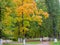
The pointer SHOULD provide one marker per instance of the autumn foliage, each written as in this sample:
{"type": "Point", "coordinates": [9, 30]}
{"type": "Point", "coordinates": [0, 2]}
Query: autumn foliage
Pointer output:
{"type": "Point", "coordinates": [26, 8]}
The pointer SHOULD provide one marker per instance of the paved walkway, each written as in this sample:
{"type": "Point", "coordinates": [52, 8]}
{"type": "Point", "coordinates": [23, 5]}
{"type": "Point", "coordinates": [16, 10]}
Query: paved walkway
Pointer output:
{"type": "Point", "coordinates": [44, 43]}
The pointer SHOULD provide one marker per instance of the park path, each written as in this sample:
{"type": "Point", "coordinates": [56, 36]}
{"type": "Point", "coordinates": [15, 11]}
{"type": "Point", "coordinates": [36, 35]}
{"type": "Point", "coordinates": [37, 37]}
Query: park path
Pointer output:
{"type": "Point", "coordinates": [44, 43]}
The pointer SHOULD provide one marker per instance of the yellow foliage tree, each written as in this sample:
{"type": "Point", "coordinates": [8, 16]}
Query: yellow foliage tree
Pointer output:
{"type": "Point", "coordinates": [25, 11]}
{"type": "Point", "coordinates": [28, 9]}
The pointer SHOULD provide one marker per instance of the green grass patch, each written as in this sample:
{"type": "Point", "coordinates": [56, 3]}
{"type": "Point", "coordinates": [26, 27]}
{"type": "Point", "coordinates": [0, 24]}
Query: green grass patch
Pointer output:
{"type": "Point", "coordinates": [37, 42]}
{"type": "Point", "coordinates": [53, 43]}
{"type": "Point", "coordinates": [12, 44]}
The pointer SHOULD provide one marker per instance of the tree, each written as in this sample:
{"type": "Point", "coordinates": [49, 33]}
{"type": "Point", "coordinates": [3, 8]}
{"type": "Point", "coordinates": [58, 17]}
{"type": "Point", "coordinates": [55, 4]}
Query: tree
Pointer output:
{"type": "Point", "coordinates": [46, 24]}
{"type": "Point", "coordinates": [28, 12]}
{"type": "Point", "coordinates": [16, 15]}
{"type": "Point", "coordinates": [53, 7]}
{"type": "Point", "coordinates": [21, 13]}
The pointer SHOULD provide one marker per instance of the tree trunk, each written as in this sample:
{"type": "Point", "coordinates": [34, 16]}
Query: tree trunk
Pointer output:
{"type": "Point", "coordinates": [1, 42]}
{"type": "Point", "coordinates": [24, 41]}
{"type": "Point", "coordinates": [19, 40]}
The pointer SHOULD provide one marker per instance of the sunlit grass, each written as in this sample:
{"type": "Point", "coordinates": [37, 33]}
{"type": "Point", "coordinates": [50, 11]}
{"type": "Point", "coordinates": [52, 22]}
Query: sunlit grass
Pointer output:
{"type": "Point", "coordinates": [53, 43]}
{"type": "Point", "coordinates": [37, 42]}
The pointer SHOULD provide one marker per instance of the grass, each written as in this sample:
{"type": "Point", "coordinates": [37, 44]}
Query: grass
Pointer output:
{"type": "Point", "coordinates": [37, 42]}
{"type": "Point", "coordinates": [53, 43]}
{"type": "Point", "coordinates": [12, 44]}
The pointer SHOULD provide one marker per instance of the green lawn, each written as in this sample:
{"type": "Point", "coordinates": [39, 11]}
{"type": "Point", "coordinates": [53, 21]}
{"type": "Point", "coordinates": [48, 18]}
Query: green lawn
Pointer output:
{"type": "Point", "coordinates": [38, 42]}
{"type": "Point", "coordinates": [57, 43]}
{"type": "Point", "coordinates": [26, 43]}
{"type": "Point", "coordinates": [12, 44]}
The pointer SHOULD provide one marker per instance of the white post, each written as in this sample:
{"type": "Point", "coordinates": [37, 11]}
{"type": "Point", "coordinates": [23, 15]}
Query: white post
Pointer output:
{"type": "Point", "coordinates": [55, 40]}
{"type": "Point", "coordinates": [24, 41]}
{"type": "Point", "coordinates": [1, 42]}
{"type": "Point", "coordinates": [59, 1]}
